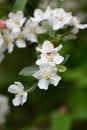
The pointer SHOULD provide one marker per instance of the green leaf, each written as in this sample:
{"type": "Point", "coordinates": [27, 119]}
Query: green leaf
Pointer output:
{"type": "Point", "coordinates": [19, 5]}
{"type": "Point", "coordinates": [28, 71]}
{"type": "Point", "coordinates": [61, 68]}
{"type": "Point", "coordinates": [60, 121]}
{"type": "Point", "coordinates": [66, 58]}
{"type": "Point", "coordinates": [31, 86]}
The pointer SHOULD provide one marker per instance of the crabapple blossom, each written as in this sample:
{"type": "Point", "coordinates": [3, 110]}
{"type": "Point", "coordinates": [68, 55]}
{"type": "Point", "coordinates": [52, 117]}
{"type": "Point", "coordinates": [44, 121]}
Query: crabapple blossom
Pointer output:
{"type": "Point", "coordinates": [49, 54]}
{"type": "Point", "coordinates": [20, 40]}
{"type": "Point", "coordinates": [15, 21]}
{"type": "Point", "coordinates": [47, 75]}
{"type": "Point", "coordinates": [60, 18]}
{"type": "Point", "coordinates": [31, 30]}
{"type": "Point", "coordinates": [48, 47]}
{"type": "Point", "coordinates": [8, 39]}
{"type": "Point", "coordinates": [39, 15]}
{"type": "Point", "coordinates": [52, 58]}
{"type": "Point", "coordinates": [20, 95]}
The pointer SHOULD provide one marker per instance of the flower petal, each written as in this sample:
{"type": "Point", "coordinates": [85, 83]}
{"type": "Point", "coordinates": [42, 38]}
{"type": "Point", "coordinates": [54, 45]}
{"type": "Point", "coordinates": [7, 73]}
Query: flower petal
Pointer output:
{"type": "Point", "coordinates": [55, 80]}
{"type": "Point", "coordinates": [13, 89]}
{"type": "Point", "coordinates": [17, 101]}
{"type": "Point", "coordinates": [43, 84]}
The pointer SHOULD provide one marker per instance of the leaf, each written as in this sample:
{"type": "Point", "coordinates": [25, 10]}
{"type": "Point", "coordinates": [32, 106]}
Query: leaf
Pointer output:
{"type": "Point", "coordinates": [61, 68]}
{"type": "Point", "coordinates": [60, 121]}
{"type": "Point", "coordinates": [66, 58]}
{"type": "Point", "coordinates": [19, 5]}
{"type": "Point", "coordinates": [31, 86]}
{"type": "Point", "coordinates": [28, 71]}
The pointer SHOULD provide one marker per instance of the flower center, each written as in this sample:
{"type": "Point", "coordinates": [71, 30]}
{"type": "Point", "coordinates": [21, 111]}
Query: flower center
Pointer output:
{"type": "Point", "coordinates": [5, 41]}
{"type": "Point", "coordinates": [49, 57]}
{"type": "Point", "coordinates": [16, 21]}
{"type": "Point", "coordinates": [18, 94]}
{"type": "Point", "coordinates": [49, 47]}
{"type": "Point", "coordinates": [33, 29]}
{"type": "Point", "coordinates": [60, 19]}
{"type": "Point", "coordinates": [21, 36]}
{"type": "Point", "coordinates": [46, 75]}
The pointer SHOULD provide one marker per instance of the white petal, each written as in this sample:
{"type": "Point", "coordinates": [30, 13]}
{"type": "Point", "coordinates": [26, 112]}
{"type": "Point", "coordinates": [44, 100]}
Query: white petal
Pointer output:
{"type": "Point", "coordinates": [33, 38]}
{"type": "Point", "coordinates": [55, 80]}
{"type": "Point", "coordinates": [37, 75]}
{"type": "Point", "coordinates": [20, 85]}
{"type": "Point", "coordinates": [1, 41]}
{"type": "Point", "coordinates": [13, 89]}
{"type": "Point", "coordinates": [11, 15]}
{"type": "Point", "coordinates": [20, 14]}
{"type": "Point", "coordinates": [43, 84]}
{"type": "Point", "coordinates": [81, 26]}
{"type": "Point", "coordinates": [20, 43]}
{"type": "Point", "coordinates": [58, 59]}
{"type": "Point", "coordinates": [24, 98]}
{"type": "Point", "coordinates": [10, 47]}
{"type": "Point", "coordinates": [17, 101]}
{"type": "Point", "coordinates": [40, 30]}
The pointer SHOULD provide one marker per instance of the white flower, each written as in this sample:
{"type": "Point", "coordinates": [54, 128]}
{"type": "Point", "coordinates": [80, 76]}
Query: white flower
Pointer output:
{"type": "Point", "coordinates": [49, 54]}
{"type": "Point", "coordinates": [60, 18]}
{"type": "Point", "coordinates": [48, 47]}
{"type": "Point", "coordinates": [52, 58]}
{"type": "Point", "coordinates": [39, 15]}
{"type": "Point", "coordinates": [15, 21]}
{"type": "Point", "coordinates": [4, 108]}
{"type": "Point", "coordinates": [20, 40]}
{"type": "Point", "coordinates": [18, 89]}
{"type": "Point", "coordinates": [47, 75]}
{"type": "Point", "coordinates": [31, 30]}
{"type": "Point", "coordinates": [76, 23]}
{"type": "Point", "coordinates": [8, 39]}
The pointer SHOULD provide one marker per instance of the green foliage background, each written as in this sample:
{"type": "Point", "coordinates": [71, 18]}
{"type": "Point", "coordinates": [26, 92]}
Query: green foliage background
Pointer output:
{"type": "Point", "coordinates": [43, 109]}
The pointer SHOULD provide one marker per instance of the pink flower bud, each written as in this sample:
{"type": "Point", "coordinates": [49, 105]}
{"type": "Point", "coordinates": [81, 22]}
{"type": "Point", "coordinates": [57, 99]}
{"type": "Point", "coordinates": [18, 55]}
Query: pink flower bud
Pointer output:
{"type": "Point", "coordinates": [63, 109]}
{"type": "Point", "coordinates": [2, 23]}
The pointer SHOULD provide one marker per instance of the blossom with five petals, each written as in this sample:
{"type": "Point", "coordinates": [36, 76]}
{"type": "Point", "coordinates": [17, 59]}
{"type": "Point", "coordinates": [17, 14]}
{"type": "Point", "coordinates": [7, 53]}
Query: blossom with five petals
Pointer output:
{"type": "Point", "coordinates": [20, 95]}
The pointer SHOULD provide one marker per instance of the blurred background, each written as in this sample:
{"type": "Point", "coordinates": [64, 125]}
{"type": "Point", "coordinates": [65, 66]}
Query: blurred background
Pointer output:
{"type": "Point", "coordinates": [59, 108]}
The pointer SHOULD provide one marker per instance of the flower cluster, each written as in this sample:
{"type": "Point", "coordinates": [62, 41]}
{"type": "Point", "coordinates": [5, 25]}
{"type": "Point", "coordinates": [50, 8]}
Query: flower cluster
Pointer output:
{"type": "Point", "coordinates": [20, 31]}
{"type": "Point", "coordinates": [47, 65]}
{"type": "Point", "coordinates": [4, 108]}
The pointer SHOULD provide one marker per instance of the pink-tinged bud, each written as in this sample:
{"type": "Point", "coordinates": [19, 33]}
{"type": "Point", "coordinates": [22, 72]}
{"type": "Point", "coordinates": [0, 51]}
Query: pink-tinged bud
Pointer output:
{"type": "Point", "coordinates": [63, 109]}
{"type": "Point", "coordinates": [2, 23]}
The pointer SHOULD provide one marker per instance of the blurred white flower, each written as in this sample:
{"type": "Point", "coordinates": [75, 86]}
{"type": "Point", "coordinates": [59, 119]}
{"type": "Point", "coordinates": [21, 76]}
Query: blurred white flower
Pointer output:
{"type": "Point", "coordinates": [77, 24]}
{"type": "Point", "coordinates": [48, 47]}
{"type": "Point", "coordinates": [60, 18]}
{"type": "Point", "coordinates": [15, 21]}
{"type": "Point", "coordinates": [20, 40]}
{"type": "Point", "coordinates": [39, 15]}
{"type": "Point", "coordinates": [47, 75]}
{"type": "Point", "coordinates": [4, 108]}
{"type": "Point", "coordinates": [49, 54]}
{"type": "Point", "coordinates": [20, 95]}
{"type": "Point", "coordinates": [31, 30]}
{"type": "Point", "coordinates": [52, 58]}
{"type": "Point", "coordinates": [8, 39]}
